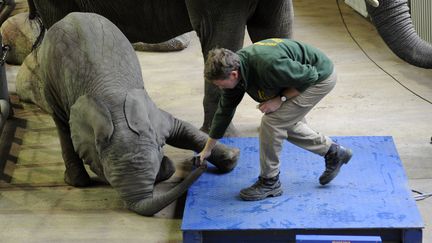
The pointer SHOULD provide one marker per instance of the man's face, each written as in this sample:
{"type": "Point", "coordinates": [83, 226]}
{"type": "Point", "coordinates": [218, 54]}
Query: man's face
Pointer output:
{"type": "Point", "coordinates": [228, 83]}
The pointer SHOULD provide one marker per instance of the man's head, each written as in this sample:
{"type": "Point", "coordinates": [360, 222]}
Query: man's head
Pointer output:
{"type": "Point", "coordinates": [222, 68]}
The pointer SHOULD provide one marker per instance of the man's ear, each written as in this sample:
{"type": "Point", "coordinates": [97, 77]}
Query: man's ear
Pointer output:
{"type": "Point", "coordinates": [235, 74]}
{"type": "Point", "coordinates": [90, 124]}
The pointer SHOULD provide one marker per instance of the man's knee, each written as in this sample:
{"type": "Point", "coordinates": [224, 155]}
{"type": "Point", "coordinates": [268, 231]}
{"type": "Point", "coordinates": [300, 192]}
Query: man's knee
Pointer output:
{"type": "Point", "coordinates": [267, 123]}
{"type": "Point", "coordinates": [272, 128]}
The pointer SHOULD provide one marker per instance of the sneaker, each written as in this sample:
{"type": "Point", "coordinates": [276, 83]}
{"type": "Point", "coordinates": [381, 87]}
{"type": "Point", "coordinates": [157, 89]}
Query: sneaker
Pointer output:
{"type": "Point", "coordinates": [261, 189]}
{"type": "Point", "coordinates": [334, 159]}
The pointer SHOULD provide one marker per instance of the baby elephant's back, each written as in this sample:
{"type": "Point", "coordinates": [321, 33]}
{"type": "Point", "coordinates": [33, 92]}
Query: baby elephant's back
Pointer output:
{"type": "Point", "coordinates": [86, 46]}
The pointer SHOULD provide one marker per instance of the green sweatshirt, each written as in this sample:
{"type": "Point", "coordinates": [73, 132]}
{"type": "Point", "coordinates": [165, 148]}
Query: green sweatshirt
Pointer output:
{"type": "Point", "coordinates": [267, 68]}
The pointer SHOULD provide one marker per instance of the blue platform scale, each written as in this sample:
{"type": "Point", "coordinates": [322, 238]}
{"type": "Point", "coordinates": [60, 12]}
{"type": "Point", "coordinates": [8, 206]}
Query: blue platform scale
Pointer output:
{"type": "Point", "coordinates": [369, 197]}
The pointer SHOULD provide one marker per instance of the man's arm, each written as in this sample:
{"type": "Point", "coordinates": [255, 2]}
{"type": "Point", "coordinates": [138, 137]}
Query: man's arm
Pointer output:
{"type": "Point", "coordinates": [223, 116]}
{"type": "Point", "coordinates": [228, 102]}
{"type": "Point", "coordinates": [211, 142]}
{"type": "Point", "coordinates": [274, 103]}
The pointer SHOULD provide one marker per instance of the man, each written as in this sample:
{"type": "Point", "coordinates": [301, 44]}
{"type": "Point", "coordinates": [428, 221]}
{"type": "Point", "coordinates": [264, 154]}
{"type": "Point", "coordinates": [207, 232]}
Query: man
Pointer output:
{"type": "Point", "coordinates": [288, 78]}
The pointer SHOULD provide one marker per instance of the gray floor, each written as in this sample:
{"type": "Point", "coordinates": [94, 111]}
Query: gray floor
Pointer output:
{"type": "Point", "coordinates": [36, 205]}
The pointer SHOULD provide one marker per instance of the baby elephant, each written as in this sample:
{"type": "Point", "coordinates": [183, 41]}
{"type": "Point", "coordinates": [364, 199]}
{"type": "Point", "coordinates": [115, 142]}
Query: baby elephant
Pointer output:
{"type": "Point", "coordinates": [90, 81]}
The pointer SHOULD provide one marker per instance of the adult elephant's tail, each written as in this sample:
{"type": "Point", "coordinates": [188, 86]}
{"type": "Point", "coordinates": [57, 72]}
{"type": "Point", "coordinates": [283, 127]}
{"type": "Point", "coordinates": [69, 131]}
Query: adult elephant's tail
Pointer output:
{"type": "Point", "coordinates": [393, 22]}
{"type": "Point", "coordinates": [33, 15]}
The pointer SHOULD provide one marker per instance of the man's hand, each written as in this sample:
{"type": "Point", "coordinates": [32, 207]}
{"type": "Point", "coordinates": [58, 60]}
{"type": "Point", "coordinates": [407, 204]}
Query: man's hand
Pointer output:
{"type": "Point", "coordinates": [274, 104]}
{"type": "Point", "coordinates": [270, 105]}
{"type": "Point", "coordinates": [197, 162]}
{"type": "Point", "coordinates": [206, 152]}
{"type": "Point", "coordinates": [202, 156]}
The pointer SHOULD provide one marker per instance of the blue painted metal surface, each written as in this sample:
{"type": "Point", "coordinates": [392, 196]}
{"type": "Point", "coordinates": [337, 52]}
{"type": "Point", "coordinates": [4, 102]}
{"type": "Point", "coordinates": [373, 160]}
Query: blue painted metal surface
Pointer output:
{"type": "Point", "coordinates": [337, 239]}
{"type": "Point", "coordinates": [370, 194]}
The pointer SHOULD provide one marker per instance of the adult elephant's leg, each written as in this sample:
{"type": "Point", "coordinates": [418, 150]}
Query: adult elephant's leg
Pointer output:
{"type": "Point", "coordinates": [272, 19]}
{"type": "Point", "coordinates": [75, 173]}
{"type": "Point", "coordinates": [185, 136]}
{"type": "Point", "coordinates": [220, 24]}
{"type": "Point", "coordinates": [32, 9]}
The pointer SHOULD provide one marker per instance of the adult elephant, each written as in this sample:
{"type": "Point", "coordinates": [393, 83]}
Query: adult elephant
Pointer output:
{"type": "Point", "coordinates": [218, 23]}
{"type": "Point", "coordinates": [89, 79]}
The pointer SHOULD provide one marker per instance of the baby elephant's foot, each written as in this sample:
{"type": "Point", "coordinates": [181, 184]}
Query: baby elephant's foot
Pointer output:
{"type": "Point", "coordinates": [224, 158]}
{"type": "Point", "coordinates": [76, 175]}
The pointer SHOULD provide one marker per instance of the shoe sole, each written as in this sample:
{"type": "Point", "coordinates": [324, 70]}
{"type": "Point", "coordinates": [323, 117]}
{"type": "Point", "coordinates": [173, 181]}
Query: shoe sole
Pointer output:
{"type": "Point", "coordinates": [336, 172]}
{"type": "Point", "coordinates": [266, 195]}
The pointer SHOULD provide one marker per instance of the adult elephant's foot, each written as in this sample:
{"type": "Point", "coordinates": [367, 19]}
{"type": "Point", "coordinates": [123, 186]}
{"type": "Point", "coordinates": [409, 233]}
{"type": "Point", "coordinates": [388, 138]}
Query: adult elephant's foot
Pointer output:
{"type": "Point", "coordinates": [76, 175]}
{"type": "Point", "coordinates": [230, 132]}
{"type": "Point", "coordinates": [224, 158]}
{"type": "Point", "coordinates": [205, 129]}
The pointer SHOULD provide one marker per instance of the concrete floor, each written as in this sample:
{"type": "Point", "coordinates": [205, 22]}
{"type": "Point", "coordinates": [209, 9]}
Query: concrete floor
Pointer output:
{"type": "Point", "coordinates": [37, 206]}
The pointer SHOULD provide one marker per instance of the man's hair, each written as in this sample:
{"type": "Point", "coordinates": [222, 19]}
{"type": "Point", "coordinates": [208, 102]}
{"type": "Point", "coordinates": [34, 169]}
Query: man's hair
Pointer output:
{"type": "Point", "coordinates": [219, 64]}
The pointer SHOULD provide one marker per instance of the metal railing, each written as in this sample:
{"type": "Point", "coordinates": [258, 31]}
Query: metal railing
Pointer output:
{"type": "Point", "coordinates": [6, 7]}
{"type": "Point", "coordinates": [421, 14]}
{"type": "Point", "coordinates": [4, 93]}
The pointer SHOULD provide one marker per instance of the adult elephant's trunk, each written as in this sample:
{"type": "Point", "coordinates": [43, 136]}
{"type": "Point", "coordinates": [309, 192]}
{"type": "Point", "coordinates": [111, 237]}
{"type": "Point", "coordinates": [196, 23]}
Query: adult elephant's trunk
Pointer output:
{"type": "Point", "coordinates": [150, 206]}
{"type": "Point", "coordinates": [394, 24]}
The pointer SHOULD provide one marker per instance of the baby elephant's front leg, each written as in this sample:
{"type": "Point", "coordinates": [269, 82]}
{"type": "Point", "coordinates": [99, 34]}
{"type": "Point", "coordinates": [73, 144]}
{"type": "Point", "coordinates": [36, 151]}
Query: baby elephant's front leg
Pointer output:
{"type": "Point", "coordinates": [186, 136]}
{"type": "Point", "coordinates": [75, 173]}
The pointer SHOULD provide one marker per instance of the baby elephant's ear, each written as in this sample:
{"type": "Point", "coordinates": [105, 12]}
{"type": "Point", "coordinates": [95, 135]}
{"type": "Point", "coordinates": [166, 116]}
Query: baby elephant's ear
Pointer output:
{"type": "Point", "coordinates": [137, 116]}
{"type": "Point", "coordinates": [90, 123]}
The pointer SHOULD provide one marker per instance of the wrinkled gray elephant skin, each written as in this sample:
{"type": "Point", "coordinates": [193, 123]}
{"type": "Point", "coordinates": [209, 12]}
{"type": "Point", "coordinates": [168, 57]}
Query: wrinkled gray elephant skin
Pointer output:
{"type": "Point", "coordinates": [394, 24]}
{"type": "Point", "coordinates": [20, 33]}
{"type": "Point", "coordinates": [92, 84]}
{"type": "Point", "coordinates": [218, 23]}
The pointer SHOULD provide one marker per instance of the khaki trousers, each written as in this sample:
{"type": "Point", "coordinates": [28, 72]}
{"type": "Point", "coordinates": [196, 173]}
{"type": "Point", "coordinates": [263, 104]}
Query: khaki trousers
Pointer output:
{"type": "Point", "coordinates": [288, 122]}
